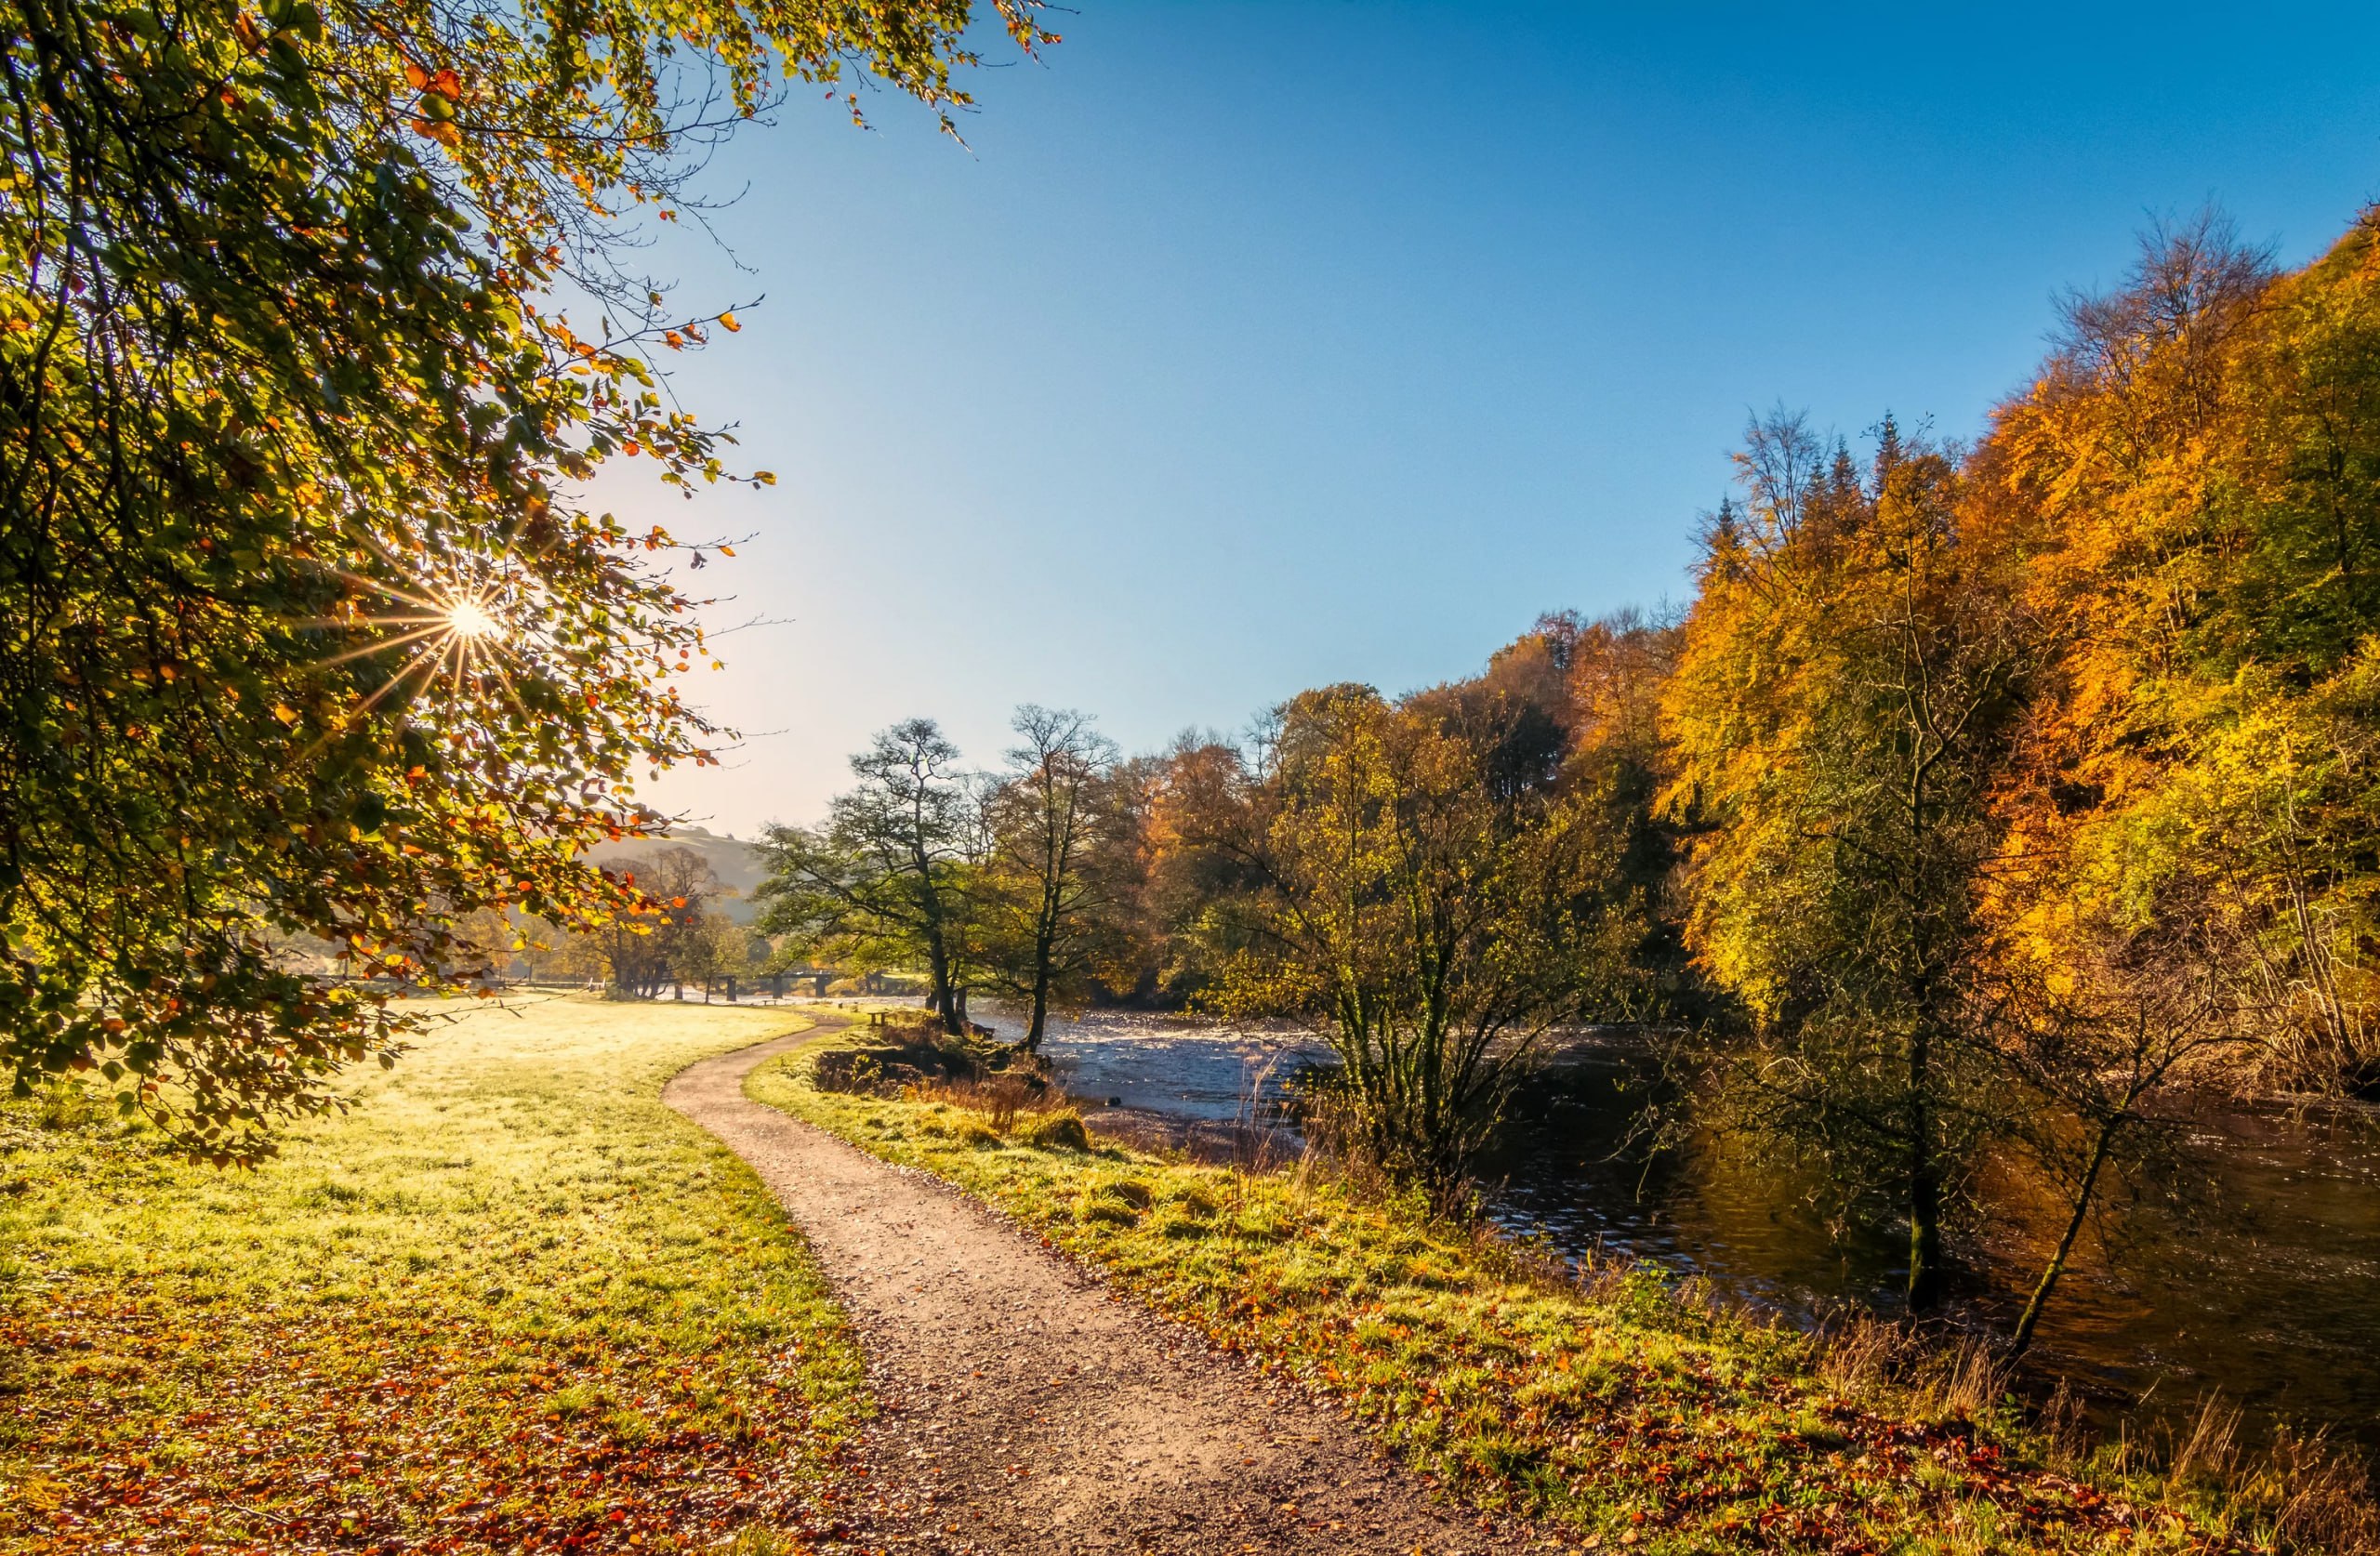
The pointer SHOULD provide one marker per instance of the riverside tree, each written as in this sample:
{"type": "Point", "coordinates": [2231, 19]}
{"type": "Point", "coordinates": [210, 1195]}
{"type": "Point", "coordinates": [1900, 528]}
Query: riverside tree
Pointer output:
{"type": "Point", "coordinates": [2197, 475]}
{"type": "Point", "coordinates": [312, 315]}
{"type": "Point", "coordinates": [1410, 881]}
{"type": "Point", "coordinates": [1047, 880]}
{"type": "Point", "coordinates": [2024, 789]}
{"type": "Point", "coordinates": [1848, 675]}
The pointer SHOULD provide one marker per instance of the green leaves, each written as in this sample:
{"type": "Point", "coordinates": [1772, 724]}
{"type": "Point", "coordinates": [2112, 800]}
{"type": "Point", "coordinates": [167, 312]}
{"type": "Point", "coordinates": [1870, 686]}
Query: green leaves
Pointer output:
{"type": "Point", "coordinates": [284, 382]}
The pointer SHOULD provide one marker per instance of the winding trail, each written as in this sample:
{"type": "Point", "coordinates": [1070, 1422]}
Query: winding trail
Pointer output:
{"type": "Point", "coordinates": [1025, 1406]}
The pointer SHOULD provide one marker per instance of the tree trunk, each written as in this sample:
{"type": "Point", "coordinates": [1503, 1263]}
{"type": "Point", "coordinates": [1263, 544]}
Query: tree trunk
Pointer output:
{"type": "Point", "coordinates": [1042, 951]}
{"type": "Point", "coordinates": [942, 997]}
{"type": "Point", "coordinates": [1925, 1239]}
{"type": "Point", "coordinates": [1040, 1015]}
{"type": "Point", "coordinates": [1925, 1180]}
{"type": "Point", "coordinates": [2023, 1338]}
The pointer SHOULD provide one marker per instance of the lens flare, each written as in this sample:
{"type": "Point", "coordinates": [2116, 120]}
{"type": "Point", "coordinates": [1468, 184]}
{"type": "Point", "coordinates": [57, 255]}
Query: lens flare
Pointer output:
{"type": "Point", "coordinates": [470, 619]}
{"type": "Point", "coordinates": [444, 632]}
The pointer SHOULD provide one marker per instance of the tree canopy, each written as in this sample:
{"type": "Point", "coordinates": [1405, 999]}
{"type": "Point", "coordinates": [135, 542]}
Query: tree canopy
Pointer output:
{"type": "Point", "coordinates": [1414, 882]}
{"type": "Point", "coordinates": [312, 317]}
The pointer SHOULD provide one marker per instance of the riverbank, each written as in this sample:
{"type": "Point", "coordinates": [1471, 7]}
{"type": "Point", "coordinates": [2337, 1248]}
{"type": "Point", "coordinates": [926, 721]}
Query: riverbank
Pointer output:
{"type": "Point", "coordinates": [2240, 1270]}
{"type": "Point", "coordinates": [508, 1302]}
{"type": "Point", "coordinates": [1620, 1405]}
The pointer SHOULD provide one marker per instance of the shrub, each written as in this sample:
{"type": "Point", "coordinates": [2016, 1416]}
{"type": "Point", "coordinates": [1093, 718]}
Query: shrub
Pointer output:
{"type": "Point", "coordinates": [848, 1071]}
{"type": "Point", "coordinates": [1119, 1204]}
{"type": "Point", "coordinates": [1058, 1131]}
{"type": "Point", "coordinates": [65, 1105]}
{"type": "Point", "coordinates": [1193, 1200]}
{"type": "Point", "coordinates": [903, 1060]}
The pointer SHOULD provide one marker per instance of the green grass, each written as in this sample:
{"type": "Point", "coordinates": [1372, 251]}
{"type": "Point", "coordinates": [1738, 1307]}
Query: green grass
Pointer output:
{"type": "Point", "coordinates": [508, 1301]}
{"type": "Point", "coordinates": [1619, 1407]}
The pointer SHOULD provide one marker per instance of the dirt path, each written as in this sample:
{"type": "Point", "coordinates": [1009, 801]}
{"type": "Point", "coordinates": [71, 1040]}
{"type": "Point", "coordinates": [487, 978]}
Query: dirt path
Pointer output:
{"type": "Point", "coordinates": [1025, 1407]}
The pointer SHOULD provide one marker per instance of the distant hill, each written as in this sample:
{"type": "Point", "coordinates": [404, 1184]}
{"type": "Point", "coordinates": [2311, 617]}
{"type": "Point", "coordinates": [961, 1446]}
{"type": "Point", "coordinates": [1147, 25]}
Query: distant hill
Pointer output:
{"type": "Point", "coordinates": [733, 861]}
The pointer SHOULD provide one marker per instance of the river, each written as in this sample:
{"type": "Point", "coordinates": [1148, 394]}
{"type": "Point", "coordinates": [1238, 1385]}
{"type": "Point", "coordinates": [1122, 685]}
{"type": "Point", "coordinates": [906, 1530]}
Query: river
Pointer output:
{"type": "Point", "coordinates": [2264, 1287]}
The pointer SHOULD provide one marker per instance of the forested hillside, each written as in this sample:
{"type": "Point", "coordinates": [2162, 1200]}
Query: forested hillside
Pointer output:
{"type": "Point", "coordinates": [1984, 802]}
{"type": "Point", "coordinates": [2073, 719]}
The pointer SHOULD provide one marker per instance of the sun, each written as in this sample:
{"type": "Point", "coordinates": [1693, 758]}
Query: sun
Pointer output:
{"type": "Point", "coordinates": [470, 619]}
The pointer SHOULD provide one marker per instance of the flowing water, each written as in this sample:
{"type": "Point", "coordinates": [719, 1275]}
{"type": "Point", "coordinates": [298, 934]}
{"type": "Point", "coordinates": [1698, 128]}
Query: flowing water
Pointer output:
{"type": "Point", "coordinates": [2263, 1286]}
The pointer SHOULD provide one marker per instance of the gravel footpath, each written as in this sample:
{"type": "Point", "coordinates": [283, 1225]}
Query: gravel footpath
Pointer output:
{"type": "Point", "coordinates": [1025, 1407]}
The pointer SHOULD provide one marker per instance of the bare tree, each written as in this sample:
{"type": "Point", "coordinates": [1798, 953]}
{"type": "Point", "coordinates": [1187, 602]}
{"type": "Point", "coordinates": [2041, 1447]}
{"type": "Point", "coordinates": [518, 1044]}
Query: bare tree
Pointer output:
{"type": "Point", "coordinates": [2127, 1021]}
{"type": "Point", "coordinates": [1043, 819]}
{"type": "Point", "coordinates": [2157, 344]}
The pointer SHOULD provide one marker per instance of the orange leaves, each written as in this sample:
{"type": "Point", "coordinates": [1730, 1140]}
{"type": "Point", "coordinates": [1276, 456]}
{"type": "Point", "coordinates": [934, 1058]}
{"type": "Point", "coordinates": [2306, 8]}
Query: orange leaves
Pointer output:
{"type": "Point", "coordinates": [445, 84]}
{"type": "Point", "coordinates": [390, 1419]}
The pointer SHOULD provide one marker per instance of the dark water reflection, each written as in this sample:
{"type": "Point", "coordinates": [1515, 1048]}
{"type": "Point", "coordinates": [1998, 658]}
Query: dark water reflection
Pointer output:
{"type": "Point", "coordinates": [2263, 1286]}
{"type": "Point", "coordinates": [2266, 1289]}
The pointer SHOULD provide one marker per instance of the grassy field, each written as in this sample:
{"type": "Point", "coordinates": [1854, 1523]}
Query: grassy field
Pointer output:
{"type": "Point", "coordinates": [509, 1302]}
{"type": "Point", "coordinates": [1617, 1406]}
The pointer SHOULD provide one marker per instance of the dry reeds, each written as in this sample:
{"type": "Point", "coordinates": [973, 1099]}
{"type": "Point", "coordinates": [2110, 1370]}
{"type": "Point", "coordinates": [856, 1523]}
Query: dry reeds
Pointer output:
{"type": "Point", "coordinates": [2306, 1493]}
{"type": "Point", "coordinates": [998, 1100]}
{"type": "Point", "coordinates": [2322, 1497]}
{"type": "Point", "coordinates": [2299, 1490]}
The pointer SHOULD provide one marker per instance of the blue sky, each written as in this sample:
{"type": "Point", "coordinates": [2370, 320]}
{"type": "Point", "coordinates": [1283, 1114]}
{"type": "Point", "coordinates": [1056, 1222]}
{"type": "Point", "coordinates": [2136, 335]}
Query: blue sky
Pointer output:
{"type": "Point", "coordinates": [1252, 346]}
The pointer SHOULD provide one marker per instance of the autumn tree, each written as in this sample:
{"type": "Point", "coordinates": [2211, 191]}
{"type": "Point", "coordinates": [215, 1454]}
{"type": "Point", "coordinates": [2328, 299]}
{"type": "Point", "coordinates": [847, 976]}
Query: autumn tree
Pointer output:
{"type": "Point", "coordinates": [1848, 676]}
{"type": "Point", "coordinates": [1409, 881]}
{"type": "Point", "coordinates": [887, 878]}
{"type": "Point", "coordinates": [1192, 865]}
{"type": "Point", "coordinates": [2187, 900]}
{"type": "Point", "coordinates": [1601, 681]}
{"type": "Point", "coordinates": [2198, 471]}
{"type": "Point", "coordinates": [1046, 877]}
{"type": "Point", "coordinates": [314, 315]}
{"type": "Point", "coordinates": [2026, 789]}
{"type": "Point", "coordinates": [650, 945]}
